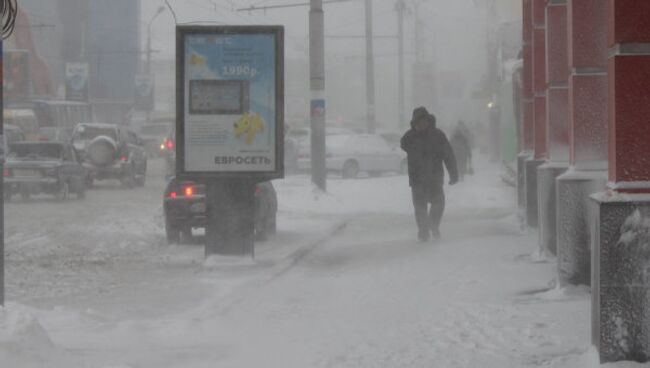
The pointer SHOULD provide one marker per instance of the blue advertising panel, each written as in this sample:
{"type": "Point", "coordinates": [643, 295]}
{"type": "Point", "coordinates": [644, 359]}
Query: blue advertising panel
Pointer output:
{"type": "Point", "coordinates": [230, 106]}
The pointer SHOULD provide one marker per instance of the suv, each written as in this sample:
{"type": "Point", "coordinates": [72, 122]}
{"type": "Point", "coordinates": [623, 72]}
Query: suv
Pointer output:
{"type": "Point", "coordinates": [110, 151]}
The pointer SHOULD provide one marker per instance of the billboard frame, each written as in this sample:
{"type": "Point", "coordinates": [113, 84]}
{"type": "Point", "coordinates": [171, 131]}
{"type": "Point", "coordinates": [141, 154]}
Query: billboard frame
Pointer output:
{"type": "Point", "coordinates": [182, 32]}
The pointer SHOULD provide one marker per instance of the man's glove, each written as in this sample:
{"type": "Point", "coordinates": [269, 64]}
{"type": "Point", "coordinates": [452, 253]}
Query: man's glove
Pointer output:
{"type": "Point", "coordinates": [453, 181]}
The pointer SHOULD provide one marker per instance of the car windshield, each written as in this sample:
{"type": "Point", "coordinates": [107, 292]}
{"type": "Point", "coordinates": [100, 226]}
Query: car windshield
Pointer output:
{"type": "Point", "coordinates": [337, 142]}
{"type": "Point", "coordinates": [90, 132]}
{"type": "Point", "coordinates": [36, 150]}
{"type": "Point", "coordinates": [157, 130]}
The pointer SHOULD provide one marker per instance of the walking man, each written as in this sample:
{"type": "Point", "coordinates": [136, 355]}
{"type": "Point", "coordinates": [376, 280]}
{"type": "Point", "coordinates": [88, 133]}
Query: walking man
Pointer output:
{"type": "Point", "coordinates": [427, 148]}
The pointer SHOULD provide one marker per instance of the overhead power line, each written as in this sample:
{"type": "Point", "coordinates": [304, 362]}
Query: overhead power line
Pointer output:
{"type": "Point", "coordinates": [294, 5]}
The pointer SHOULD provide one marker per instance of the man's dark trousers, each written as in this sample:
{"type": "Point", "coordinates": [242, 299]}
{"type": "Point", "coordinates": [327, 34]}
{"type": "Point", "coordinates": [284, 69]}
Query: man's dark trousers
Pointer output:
{"type": "Point", "coordinates": [428, 219]}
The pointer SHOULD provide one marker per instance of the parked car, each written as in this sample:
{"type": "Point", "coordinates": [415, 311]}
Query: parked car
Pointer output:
{"type": "Point", "coordinates": [43, 167]}
{"type": "Point", "coordinates": [153, 137]}
{"type": "Point", "coordinates": [352, 154]}
{"type": "Point", "coordinates": [110, 151]}
{"type": "Point", "coordinates": [185, 209]}
{"type": "Point", "coordinates": [12, 134]}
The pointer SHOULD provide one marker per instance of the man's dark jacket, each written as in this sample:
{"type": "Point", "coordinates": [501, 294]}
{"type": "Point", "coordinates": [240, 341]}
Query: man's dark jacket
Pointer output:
{"type": "Point", "coordinates": [426, 152]}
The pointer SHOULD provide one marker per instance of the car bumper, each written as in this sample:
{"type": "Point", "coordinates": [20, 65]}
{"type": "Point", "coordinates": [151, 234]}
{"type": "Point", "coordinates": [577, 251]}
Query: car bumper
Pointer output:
{"type": "Point", "coordinates": [31, 185]}
{"type": "Point", "coordinates": [185, 212]}
{"type": "Point", "coordinates": [35, 181]}
{"type": "Point", "coordinates": [114, 171]}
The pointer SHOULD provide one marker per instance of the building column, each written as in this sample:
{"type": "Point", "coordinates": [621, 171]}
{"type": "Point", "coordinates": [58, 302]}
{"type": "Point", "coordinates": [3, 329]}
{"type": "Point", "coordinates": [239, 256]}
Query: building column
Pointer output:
{"type": "Point", "coordinates": [621, 242]}
{"type": "Point", "coordinates": [557, 122]}
{"type": "Point", "coordinates": [540, 149]}
{"type": "Point", "coordinates": [527, 109]}
{"type": "Point", "coordinates": [587, 47]}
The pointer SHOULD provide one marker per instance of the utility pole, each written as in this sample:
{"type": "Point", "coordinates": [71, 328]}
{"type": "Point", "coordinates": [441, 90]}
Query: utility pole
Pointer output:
{"type": "Point", "coordinates": [8, 22]}
{"type": "Point", "coordinates": [400, 6]}
{"type": "Point", "coordinates": [419, 46]}
{"type": "Point", "coordinates": [370, 70]}
{"type": "Point", "coordinates": [317, 86]}
{"type": "Point", "coordinates": [160, 10]}
{"type": "Point", "coordinates": [2, 209]}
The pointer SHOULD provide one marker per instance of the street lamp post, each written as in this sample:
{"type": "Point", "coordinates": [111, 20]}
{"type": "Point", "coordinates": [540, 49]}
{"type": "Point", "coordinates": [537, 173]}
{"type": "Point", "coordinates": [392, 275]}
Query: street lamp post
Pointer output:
{"type": "Point", "coordinates": [160, 10]}
{"type": "Point", "coordinates": [317, 86]}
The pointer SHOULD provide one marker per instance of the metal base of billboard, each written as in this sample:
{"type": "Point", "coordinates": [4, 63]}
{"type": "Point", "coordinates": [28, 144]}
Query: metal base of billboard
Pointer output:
{"type": "Point", "coordinates": [230, 227]}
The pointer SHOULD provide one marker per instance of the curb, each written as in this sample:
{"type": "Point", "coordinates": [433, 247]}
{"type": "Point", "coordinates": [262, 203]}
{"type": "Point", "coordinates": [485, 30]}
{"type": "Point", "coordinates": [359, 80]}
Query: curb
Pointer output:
{"type": "Point", "coordinates": [299, 254]}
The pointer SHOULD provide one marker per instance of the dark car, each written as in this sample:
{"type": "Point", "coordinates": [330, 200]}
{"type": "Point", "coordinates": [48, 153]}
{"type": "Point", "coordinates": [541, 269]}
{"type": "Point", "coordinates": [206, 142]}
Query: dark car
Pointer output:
{"type": "Point", "coordinates": [153, 137]}
{"type": "Point", "coordinates": [43, 167]}
{"type": "Point", "coordinates": [110, 151]}
{"type": "Point", "coordinates": [185, 209]}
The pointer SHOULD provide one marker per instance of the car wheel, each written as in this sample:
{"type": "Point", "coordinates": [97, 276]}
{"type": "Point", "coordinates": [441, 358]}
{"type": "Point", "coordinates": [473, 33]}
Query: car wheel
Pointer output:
{"type": "Point", "coordinates": [64, 191]}
{"type": "Point", "coordinates": [350, 169]}
{"type": "Point", "coordinates": [261, 234]}
{"type": "Point", "coordinates": [173, 234]}
{"type": "Point", "coordinates": [142, 179]}
{"type": "Point", "coordinates": [128, 179]}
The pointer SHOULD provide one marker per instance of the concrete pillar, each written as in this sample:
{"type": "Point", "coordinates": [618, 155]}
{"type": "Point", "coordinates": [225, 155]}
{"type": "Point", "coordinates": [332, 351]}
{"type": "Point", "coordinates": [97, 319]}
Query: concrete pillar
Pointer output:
{"type": "Point", "coordinates": [557, 122]}
{"type": "Point", "coordinates": [527, 109]}
{"type": "Point", "coordinates": [621, 237]}
{"type": "Point", "coordinates": [587, 47]}
{"type": "Point", "coordinates": [540, 149]}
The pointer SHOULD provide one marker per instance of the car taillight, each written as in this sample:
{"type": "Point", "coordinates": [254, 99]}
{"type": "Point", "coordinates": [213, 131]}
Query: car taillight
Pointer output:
{"type": "Point", "coordinates": [123, 158]}
{"type": "Point", "coordinates": [173, 195]}
{"type": "Point", "coordinates": [189, 191]}
{"type": "Point", "coordinates": [6, 173]}
{"type": "Point", "coordinates": [170, 144]}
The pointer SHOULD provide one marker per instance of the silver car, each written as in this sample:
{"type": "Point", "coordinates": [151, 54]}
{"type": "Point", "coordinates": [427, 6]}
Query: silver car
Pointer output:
{"type": "Point", "coordinates": [356, 153]}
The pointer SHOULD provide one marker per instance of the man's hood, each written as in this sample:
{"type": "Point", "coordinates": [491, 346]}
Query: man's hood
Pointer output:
{"type": "Point", "coordinates": [422, 113]}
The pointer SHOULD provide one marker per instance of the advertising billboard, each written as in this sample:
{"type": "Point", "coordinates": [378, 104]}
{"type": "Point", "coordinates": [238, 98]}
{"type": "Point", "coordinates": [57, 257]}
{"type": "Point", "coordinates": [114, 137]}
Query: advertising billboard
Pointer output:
{"type": "Point", "coordinates": [76, 82]}
{"type": "Point", "coordinates": [230, 113]}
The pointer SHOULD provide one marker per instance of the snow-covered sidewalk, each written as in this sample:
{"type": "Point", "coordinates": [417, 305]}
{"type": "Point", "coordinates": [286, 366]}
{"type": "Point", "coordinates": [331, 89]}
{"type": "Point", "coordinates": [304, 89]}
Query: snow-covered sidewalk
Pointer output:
{"type": "Point", "coordinates": [371, 296]}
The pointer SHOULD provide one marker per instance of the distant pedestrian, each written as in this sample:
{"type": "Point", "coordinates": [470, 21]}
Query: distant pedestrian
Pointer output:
{"type": "Point", "coordinates": [427, 148]}
{"type": "Point", "coordinates": [461, 143]}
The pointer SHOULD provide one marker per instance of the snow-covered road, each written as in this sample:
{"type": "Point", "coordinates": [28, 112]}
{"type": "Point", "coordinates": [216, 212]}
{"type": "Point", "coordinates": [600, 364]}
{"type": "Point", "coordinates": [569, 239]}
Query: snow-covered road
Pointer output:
{"type": "Point", "coordinates": [370, 296]}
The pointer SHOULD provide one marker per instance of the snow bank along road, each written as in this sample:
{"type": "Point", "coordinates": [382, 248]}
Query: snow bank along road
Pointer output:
{"type": "Point", "coordinates": [108, 293]}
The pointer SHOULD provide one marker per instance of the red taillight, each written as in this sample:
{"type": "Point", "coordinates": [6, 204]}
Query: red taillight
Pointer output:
{"type": "Point", "coordinates": [123, 158]}
{"type": "Point", "coordinates": [169, 144]}
{"type": "Point", "coordinates": [6, 173]}
{"type": "Point", "coordinates": [189, 191]}
{"type": "Point", "coordinates": [173, 195]}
